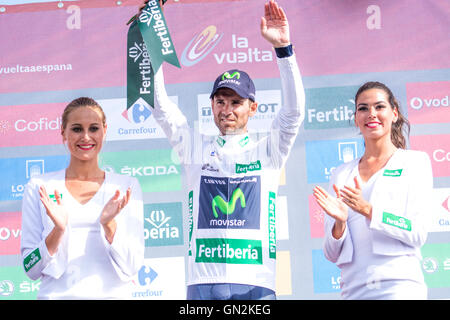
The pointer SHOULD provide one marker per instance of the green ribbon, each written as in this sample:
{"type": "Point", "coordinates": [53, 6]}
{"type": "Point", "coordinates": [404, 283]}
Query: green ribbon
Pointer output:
{"type": "Point", "coordinates": [148, 45]}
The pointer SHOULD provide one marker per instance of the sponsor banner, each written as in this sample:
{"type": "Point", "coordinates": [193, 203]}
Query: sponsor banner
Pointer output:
{"type": "Point", "coordinates": [160, 279]}
{"type": "Point", "coordinates": [225, 250]}
{"type": "Point", "coordinates": [438, 148]}
{"type": "Point", "coordinates": [15, 285]}
{"type": "Point", "coordinates": [436, 264]}
{"type": "Point", "coordinates": [52, 57]}
{"type": "Point", "coordinates": [316, 218]}
{"type": "Point", "coordinates": [428, 102]}
{"type": "Point", "coordinates": [17, 171]}
{"type": "Point", "coordinates": [440, 215]}
{"type": "Point", "coordinates": [331, 107]}
{"type": "Point", "coordinates": [154, 169]}
{"type": "Point", "coordinates": [218, 43]}
{"type": "Point", "coordinates": [136, 122]}
{"type": "Point", "coordinates": [163, 224]}
{"type": "Point", "coordinates": [54, 60]}
{"type": "Point", "coordinates": [229, 203]}
{"type": "Point", "coordinates": [323, 156]}
{"type": "Point", "coordinates": [30, 125]}
{"type": "Point", "coordinates": [326, 276]}
{"type": "Point", "coordinates": [283, 274]}
{"type": "Point", "coordinates": [10, 232]}
{"type": "Point", "coordinates": [269, 103]}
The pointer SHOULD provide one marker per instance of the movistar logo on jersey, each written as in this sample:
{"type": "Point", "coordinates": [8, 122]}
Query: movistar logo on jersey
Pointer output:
{"type": "Point", "coordinates": [228, 207]}
{"type": "Point", "coordinates": [234, 251]}
{"type": "Point", "coordinates": [393, 173]}
{"type": "Point", "coordinates": [229, 202]}
{"type": "Point", "coordinates": [235, 74]}
{"type": "Point", "coordinates": [396, 221]}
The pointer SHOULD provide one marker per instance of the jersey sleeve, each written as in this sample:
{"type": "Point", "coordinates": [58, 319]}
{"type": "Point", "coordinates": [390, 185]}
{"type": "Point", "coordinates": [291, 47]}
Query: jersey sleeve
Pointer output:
{"type": "Point", "coordinates": [286, 125]}
{"type": "Point", "coordinates": [339, 251]}
{"type": "Point", "coordinates": [172, 121]}
{"type": "Point", "coordinates": [404, 216]}
{"type": "Point", "coordinates": [36, 259]}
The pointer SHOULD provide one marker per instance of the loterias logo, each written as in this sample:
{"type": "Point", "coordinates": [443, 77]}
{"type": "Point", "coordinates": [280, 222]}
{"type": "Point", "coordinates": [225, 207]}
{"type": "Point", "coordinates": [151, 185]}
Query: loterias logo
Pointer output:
{"type": "Point", "coordinates": [200, 46]}
{"type": "Point", "coordinates": [229, 203]}
{"type": "Point", "coordinates": [163, 224]}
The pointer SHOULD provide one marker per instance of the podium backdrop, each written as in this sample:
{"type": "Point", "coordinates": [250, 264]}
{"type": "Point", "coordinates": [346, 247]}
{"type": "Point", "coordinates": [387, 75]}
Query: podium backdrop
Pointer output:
{"type": "Point", "coordinates": [51, 54]}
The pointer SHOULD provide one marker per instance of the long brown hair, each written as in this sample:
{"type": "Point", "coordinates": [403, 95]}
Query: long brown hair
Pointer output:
{"type": "Point", "coordinates": [401, 127]}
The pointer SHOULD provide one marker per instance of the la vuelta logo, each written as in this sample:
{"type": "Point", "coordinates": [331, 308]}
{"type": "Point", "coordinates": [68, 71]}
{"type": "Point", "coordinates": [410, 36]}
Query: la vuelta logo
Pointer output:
{"type": "Point", "coordinates": [200, 46]}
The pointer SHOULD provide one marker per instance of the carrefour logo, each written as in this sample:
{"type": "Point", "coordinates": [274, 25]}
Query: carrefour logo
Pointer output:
{"type": "Point", "coordinates": [200, 46]}
{"type": "Point", "coordinates": [163, 224]}
{"type": "Point", "coordinates": [229, 202]}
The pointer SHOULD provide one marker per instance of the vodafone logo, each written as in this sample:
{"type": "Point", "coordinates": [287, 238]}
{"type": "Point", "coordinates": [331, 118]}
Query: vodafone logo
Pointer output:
{"type": "Point", "coordinates": [418, 103]}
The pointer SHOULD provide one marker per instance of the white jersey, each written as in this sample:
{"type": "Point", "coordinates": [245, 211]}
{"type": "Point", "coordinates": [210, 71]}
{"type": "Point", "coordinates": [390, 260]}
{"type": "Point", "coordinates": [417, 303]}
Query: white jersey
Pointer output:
{"type": "Point", "coordinates": [85, 266]}
{"type": "Point", "coordinates": [232, 184]}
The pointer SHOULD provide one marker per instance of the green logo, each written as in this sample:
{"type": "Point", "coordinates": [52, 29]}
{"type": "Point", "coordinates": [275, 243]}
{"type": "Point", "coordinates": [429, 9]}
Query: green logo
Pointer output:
{"type": "Point", "coordinates": [234, 251]}
{"type": "Point", "coordinates": [226, 75]}
{"type": "Point", "coordinates": [396, 221]}
{"type": "Point", "coordinates": [392, 173]}
{"type": "Point", "coordinates": [52, 196]}
{"type": "Point", "coordinates": [228, 207]}
{"type": "Point", "coordinates": [252, 166]}
{"type": "Point", "coordinates": [221, 141]}
{"type": "Point", "coordinates": [272, 227]}
{"type": "Point", "coordinates": [30, 260]}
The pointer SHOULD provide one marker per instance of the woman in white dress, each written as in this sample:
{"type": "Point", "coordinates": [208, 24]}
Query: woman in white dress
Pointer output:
{"type": "Point", "coordinates": [376, 206]}
{"type": "Point", "coordinates": [82, 227]}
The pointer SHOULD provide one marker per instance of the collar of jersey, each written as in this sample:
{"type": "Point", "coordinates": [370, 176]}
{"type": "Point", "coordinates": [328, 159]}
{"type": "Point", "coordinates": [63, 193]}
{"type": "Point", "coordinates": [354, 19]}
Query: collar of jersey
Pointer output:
{"type": "Point", "coordinates": [233, 141]}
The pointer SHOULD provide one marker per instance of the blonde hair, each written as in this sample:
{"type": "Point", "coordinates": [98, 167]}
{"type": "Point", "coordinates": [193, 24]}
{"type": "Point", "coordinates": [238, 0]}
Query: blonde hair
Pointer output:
{"type": "Point", "coordinates": [82, 102]}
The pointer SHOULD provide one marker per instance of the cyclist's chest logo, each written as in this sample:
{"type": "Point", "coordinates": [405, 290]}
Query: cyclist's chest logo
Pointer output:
{"type": "Point", "coordinates": [229, 203]}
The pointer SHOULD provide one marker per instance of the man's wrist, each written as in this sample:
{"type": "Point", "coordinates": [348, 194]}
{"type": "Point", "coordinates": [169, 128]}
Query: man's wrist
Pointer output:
{"type": "Point", "coordinates": [284, 52]}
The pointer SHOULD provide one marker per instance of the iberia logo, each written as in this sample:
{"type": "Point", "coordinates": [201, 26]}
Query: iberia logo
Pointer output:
{"type": "Point", "coordinates": [200, 46]}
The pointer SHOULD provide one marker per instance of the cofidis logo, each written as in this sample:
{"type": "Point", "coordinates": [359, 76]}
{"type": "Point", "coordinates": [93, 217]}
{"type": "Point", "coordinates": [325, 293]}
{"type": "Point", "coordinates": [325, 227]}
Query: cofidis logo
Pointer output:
{"type": "Point", "coordinates": [428, 102]}
{"type": "Point", "coordinates": [323, 156]}
{"type": "Point", "coordinates": [17, 171]}
{"type": "Point", "coordinates": [163, 224]}
{"type": "Point", "coordinates": [331, 107]}
{"type": "Point", "coordinates": [160, 278]}
{"type": "Point", "coordinates": [437, 147]}
{"type": "Point", "coordinates": [31, 125]}
{"type": "Point", "coordinates": [154, 169]}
